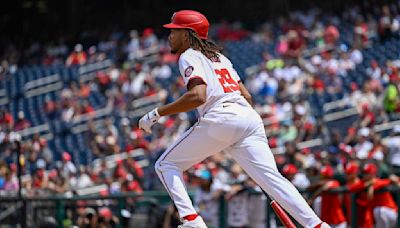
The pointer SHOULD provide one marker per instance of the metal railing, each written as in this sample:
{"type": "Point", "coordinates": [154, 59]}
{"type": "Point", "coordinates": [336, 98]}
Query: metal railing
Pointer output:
{"type": "Point", "coordinates": [29, 210]}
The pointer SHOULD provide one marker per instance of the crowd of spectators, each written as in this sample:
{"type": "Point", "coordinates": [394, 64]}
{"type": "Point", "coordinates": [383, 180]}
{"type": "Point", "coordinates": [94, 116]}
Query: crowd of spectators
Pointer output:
{"type": "Point", "coordinates": [309, 59]}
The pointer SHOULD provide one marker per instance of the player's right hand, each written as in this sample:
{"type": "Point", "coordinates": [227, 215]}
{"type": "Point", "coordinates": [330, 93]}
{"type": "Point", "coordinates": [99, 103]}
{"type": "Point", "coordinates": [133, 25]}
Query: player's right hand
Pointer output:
{"type": "Point", "coordinates": [149, 120]}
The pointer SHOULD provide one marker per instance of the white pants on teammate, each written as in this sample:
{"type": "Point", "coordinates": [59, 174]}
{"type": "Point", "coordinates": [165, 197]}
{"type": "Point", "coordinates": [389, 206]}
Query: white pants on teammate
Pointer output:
{"type": "Point", "coordinates": [385, 217]}
{"type": "Point", "coordinates": [341, 225]}
{"type": "Point", "coordinates": [237, 129]}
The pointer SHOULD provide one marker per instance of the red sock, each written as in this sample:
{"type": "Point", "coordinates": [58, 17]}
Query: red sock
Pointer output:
{"type": "Point", "coordinates": [318, 226]}
{"type": "Point", "coordinates": [190, 217]}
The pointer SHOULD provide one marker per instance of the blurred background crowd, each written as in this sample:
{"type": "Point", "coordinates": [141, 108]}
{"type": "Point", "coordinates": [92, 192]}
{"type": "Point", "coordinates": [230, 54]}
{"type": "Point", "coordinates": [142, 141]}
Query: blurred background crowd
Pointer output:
{"type": "Point", "coordinates": [325, 84]}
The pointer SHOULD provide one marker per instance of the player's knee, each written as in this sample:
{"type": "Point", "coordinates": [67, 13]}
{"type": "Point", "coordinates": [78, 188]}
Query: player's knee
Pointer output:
{"type": "Point", "coordinates": [162, 166]}
{"type": "Point", "coordinates": [157, 166]}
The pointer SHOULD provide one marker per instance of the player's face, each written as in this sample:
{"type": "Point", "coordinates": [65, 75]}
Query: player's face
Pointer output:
{"type": "Point", "coordinates": [368, 177]}
{"type": "Point", "coordinates": [176, 39]}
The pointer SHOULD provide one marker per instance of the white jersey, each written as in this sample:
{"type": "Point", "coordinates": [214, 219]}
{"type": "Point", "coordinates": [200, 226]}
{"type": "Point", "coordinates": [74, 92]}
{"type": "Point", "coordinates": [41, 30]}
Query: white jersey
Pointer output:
{"type": "Point", "coordinates": [219, 76]}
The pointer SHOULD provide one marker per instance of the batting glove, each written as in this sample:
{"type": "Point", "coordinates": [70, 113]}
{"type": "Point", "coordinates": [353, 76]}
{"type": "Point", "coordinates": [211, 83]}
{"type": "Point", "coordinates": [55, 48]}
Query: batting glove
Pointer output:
{"type": "Point", "coordinates": [149, 120]}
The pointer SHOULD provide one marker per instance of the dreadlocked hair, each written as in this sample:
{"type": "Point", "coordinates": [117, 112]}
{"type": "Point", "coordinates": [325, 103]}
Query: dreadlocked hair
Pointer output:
{"type": "Point", "coordinates": [206, 47]}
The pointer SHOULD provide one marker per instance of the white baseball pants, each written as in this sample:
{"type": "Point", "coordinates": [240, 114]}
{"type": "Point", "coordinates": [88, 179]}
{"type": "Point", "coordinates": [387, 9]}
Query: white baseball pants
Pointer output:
{"type": "Point", "coordinates": [341, 225]}
{"type": "Point", "coordinates": [385, 217]}
{"type": "Point", "coordinates": [239, 130]}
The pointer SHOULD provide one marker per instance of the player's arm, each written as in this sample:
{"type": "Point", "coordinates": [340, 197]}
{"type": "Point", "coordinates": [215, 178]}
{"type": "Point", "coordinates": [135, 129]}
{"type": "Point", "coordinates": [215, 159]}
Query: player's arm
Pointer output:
{"type": "Point", "coordinates": [193, 98]}
{"type": "Point", "coordinates": [381, 183]}
{"type": "Point", "coordinates": [245, 93]}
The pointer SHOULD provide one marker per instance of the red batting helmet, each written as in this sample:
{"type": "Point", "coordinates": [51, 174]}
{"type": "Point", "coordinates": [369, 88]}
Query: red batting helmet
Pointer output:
{"type": "Point", "coordinates": [289, 169]}
{"type": "Point", "coordinates": [370, 168]}
{"type": "Point", "coordinates": [190, 19]}
{"type": "Point", "coordinates": [351, 168]}
{"type": "Point", "coordinates": [327, 171]}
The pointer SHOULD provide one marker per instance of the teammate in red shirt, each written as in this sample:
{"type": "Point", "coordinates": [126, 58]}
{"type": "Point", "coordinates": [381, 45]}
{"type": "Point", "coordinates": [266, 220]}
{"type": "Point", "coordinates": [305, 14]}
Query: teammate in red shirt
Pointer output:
{"type": "Point", "coordinates": [331, 204]}
{"type": "Point", "coordinates": [384, 207]}
{"type": "Point", "coordinates": [363, 209]}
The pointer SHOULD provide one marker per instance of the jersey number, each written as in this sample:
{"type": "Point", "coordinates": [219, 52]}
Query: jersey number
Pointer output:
{"type": "Point", "coordinates": [228, 84]}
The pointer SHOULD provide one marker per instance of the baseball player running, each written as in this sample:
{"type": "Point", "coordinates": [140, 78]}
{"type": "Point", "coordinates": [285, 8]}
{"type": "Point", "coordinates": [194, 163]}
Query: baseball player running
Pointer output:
{"type": "Point", "coordinates": [227, 122]}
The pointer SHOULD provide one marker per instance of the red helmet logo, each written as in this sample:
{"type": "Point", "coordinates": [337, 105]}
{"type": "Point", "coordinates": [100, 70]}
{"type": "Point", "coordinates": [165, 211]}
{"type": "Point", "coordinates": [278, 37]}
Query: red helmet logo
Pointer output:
{"type": "Point", "coordinates": [190, 19]}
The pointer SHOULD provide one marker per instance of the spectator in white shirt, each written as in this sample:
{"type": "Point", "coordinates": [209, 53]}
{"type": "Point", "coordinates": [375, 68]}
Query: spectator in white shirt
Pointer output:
{"type": "Point", "coordinates": [82, 180]}
{"type": "Point", "coordinates": [364, 146]}
{"type": "Point", "coordinates": [68, 167]}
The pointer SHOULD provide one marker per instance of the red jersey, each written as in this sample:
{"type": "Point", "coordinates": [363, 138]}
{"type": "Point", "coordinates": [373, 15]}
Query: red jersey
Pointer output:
{"type": "Point", "coordinates": [7, 119]}
{"type": "Point", "coordinates": [364, 206]}
{"type": "Point", "coordinates": [331, 207]}
{"type": "Point", "coordinates": [383, 199]}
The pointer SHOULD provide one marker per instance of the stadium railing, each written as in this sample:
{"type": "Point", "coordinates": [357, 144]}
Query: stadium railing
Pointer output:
{"type": "Point", "coordinates": [145, 208]}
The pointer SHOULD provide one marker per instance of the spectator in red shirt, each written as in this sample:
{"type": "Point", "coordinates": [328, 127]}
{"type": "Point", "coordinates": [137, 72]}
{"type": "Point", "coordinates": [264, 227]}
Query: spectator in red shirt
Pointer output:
{"type": "Point", "coordinates": [331, 34]}
{"type": "Point", "coordinates": [131, 186]}
{"type": "Point", "coordinates": [295, 44]}
{"type": "Point", "coordinates": [318, 84]}
{"type": "Point", "coordinates": [367, 116]}
{"type": "Point", "coordinates": [360, 33]}
{"type": "Point", "coordinates": [6, 120]}
{"type": "Point", "coordinates": [103, 80]}
{"type": "Point", "coordinates": [84, 90]}
{"type": "Point", "coordinates": [120, 170]}
{"type": "Point", "coordinates": [135, 168]}
{"type": "Point", "coordinates": [86, 107]}
{"type": "Point", "coordinates": [137, 141]}
{"type": "Point", "coordinates": [21, 122]}
{"type": "Point", "coordinates": [78, 57]}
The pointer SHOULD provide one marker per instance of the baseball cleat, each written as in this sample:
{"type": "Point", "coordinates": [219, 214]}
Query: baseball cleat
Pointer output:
{"type": "Point", "coordinates": [197, 223]}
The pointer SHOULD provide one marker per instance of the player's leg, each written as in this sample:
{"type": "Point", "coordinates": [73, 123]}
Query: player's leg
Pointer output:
{"type": "Point", "coordinates": [379, 217]}
{"type": "Point", "coordinates": [341, 225]}
{"type": "Point", "coordinates": [392, 217]}
{"type": "Point", "coordinates": [255, 157]}
{"type": "Point", "coordinates": [385, 217]}
{"type": "Point", "coordinates": [192, 147]}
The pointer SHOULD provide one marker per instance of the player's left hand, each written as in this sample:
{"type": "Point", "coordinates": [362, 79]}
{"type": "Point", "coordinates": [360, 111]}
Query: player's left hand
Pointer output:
{"type": "Point", "coordinates": [149, 120]}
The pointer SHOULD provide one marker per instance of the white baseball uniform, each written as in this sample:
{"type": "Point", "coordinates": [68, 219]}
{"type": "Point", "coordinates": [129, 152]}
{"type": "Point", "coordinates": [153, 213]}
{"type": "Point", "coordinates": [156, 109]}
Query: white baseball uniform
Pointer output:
{"type": "Point", "coordinates": [227, 122]}
{"type": "Point", "coordinates": [385, 217]}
